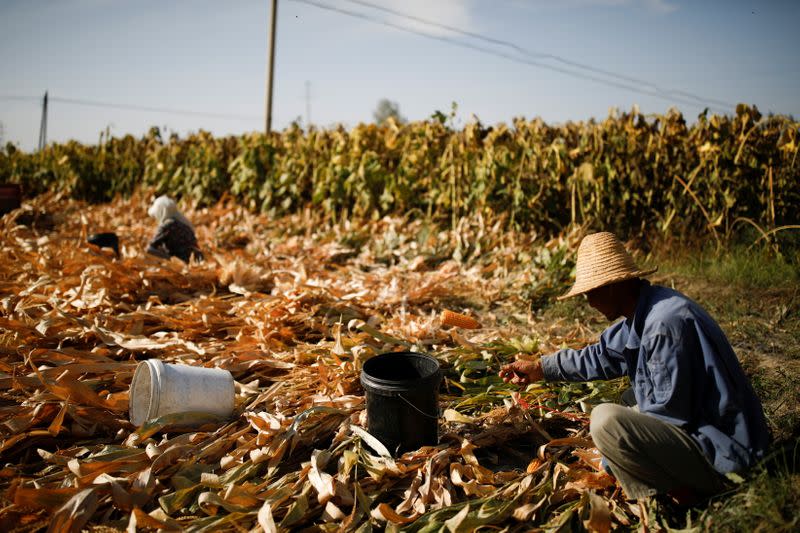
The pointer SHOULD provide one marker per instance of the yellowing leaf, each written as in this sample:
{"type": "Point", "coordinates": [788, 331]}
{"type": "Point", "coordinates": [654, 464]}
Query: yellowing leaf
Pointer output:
{"type": "Point", "coordinates": [451, 415]}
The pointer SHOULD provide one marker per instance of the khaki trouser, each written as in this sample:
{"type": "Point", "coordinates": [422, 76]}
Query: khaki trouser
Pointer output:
{"type": "Point", "coordinates": [649, 456]}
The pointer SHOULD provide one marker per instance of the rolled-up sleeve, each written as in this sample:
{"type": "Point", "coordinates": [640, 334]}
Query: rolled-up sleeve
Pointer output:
{"type": "Point", "coordinates": [603, 360]}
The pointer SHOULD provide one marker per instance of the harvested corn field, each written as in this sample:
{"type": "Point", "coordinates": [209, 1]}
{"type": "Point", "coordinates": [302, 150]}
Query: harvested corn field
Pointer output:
{"type": "Point", "coordinates": [292, 307]}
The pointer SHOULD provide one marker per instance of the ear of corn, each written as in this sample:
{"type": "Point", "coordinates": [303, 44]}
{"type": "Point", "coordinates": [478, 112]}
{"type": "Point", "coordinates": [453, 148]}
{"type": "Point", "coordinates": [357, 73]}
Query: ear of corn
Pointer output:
{"type": "Point", "coordinates": [451, 318]}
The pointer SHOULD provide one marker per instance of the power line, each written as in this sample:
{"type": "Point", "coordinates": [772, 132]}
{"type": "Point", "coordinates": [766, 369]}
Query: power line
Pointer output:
{"type": "Point", "coordinates": [685, 99]}
{"type": "Point", "coordinates": [623, 81]}
{"type": "Point", "coordinates": [542, 55]}
{"type": "Point", "coordinates": [132, 107]}
{"type": "Point", "coordinates": [19, 98]}
{"type": "Point", "coordinates": [151, 109]}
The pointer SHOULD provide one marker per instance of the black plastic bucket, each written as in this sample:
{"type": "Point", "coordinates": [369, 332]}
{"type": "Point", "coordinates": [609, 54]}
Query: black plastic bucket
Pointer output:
{"type": "Point", "coordinates": [402, 390]}
{"type": "Point", "coordinates": [105, 240]}
{"type": "Point", "coordinates": [10, 197]}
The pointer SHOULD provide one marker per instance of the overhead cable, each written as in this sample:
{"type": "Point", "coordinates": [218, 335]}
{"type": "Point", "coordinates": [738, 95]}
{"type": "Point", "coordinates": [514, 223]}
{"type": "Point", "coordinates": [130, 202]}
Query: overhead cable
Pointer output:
{"type": "Point", "coordinates": [673, 96]}
{"type": "Point", "coordinates": [131, 107]}
{"type": "Point", "coordinates": [543, 55]}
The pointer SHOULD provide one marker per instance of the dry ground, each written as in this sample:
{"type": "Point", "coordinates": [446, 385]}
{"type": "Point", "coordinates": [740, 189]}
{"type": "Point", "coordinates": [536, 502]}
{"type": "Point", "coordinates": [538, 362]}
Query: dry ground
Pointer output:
{"type": "Point", "coordinates": [292, 307]}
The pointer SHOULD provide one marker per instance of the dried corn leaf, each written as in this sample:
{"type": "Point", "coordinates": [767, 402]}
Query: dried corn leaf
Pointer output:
{"type": "Point", "coordinates": [599, 514]}
{"type": "Point", "coordinates": [73, 515]}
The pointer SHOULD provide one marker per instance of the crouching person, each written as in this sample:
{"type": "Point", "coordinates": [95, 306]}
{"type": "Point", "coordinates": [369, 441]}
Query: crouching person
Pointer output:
{"type": "Point", "coordinates": [175, 234]}
{"type": "Point", "coordinates": [696, 415]}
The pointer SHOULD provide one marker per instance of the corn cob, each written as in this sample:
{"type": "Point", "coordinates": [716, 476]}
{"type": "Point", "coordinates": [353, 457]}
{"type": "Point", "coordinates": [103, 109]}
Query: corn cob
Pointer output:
{"type": "Point", "coordinates": [451, 318]}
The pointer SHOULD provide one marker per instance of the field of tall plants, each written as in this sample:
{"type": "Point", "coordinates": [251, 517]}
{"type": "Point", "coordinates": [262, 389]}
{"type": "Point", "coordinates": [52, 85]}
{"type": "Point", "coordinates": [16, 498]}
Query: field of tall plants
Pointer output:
{"type": "Point", "coordinates": [626, 174]}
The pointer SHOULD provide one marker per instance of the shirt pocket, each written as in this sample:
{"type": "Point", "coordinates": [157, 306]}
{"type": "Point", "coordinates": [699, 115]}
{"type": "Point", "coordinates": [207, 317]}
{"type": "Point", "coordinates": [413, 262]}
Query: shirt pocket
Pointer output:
{"type": "Point", "coordinates": [661, 379]}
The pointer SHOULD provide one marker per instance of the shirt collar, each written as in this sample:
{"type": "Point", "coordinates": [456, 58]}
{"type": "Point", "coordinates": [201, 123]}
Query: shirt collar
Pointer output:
{"type": "Point", "coordinates": [636, 322]}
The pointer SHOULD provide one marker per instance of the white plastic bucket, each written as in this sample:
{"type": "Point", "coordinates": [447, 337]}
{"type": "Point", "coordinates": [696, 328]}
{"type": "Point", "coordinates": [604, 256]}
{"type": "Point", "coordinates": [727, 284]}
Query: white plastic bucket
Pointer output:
{"type": "Point", "coordinates": [159, 389]}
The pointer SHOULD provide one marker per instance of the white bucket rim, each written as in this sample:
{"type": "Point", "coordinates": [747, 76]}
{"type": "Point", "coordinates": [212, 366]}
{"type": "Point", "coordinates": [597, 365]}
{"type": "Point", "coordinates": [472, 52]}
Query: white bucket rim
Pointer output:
{"type": "Point", "coordinates": [155, 369]}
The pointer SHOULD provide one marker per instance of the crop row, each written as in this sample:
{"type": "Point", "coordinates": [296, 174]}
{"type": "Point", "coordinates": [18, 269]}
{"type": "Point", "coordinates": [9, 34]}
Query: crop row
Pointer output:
{"type": "Point", "coordinates": [625, 173]}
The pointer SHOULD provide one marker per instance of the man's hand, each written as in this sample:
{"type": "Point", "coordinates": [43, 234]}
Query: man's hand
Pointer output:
{"type": "Point", "coordinates": [522, 372]}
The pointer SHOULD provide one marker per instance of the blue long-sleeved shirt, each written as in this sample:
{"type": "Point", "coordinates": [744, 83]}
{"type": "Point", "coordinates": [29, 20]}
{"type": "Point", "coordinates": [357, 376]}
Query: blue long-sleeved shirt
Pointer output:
{"type": "Point", "coordinates": [683, 371]}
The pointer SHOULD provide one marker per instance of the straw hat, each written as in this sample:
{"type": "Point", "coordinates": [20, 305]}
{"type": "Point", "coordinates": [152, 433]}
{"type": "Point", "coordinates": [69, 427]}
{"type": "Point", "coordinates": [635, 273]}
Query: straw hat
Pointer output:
{"type": "Point", "coordinates": [602, 260]}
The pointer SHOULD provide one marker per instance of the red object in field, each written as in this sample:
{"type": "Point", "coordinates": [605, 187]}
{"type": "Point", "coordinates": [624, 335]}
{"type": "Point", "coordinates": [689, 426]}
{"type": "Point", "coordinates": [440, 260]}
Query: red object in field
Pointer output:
{"type": "Point", "coordinates": [10, 197]}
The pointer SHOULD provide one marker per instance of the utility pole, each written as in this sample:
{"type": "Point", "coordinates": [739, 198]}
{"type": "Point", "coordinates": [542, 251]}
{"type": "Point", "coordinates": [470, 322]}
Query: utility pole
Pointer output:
{"type": "Point", "coordinates": [308, 104]}
{"type": "Point", "coordinates": [43, 125]}
{"type": "Point", "coordinates": [271, 65]}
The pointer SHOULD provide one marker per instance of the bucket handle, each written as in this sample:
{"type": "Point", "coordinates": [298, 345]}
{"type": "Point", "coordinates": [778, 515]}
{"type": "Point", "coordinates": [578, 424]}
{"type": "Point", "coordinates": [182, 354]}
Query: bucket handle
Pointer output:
{"type": "Point", "coordinates": [416, 408]}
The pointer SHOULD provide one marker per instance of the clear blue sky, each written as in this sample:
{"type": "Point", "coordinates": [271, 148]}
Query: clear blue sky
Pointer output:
{"type": "Point", "coordinates": [210, 56]}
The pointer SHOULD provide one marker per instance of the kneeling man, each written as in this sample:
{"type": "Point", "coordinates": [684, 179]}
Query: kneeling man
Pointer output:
{"type": "Point", "coordinates": [696, 415]}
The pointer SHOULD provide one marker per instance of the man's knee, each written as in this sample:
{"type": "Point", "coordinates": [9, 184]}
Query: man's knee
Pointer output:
{"type": "Point", "coordinates": [606, 424]}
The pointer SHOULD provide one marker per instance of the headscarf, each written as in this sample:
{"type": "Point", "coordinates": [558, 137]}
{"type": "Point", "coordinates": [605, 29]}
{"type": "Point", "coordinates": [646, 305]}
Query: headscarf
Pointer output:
{"type": "Point", "coordinates": [164, 208]}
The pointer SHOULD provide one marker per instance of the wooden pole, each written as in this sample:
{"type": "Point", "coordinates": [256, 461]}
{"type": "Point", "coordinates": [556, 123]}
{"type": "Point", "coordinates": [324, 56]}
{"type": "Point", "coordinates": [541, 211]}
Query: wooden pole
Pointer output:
{"type": "Point", "coordinates": [271, 65]}
{"type": "Point", "coordinates": [43, 125]}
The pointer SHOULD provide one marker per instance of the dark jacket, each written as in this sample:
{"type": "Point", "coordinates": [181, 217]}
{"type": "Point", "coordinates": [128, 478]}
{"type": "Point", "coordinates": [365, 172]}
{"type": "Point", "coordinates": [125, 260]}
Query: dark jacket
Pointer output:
{"type": "Point", "coordinates": [174, 238]}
